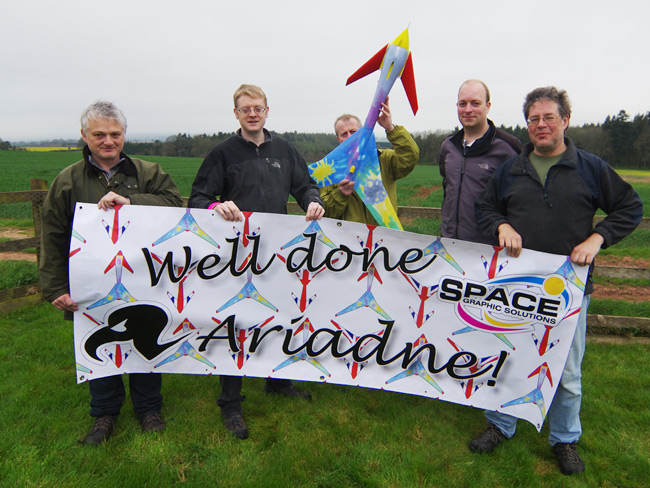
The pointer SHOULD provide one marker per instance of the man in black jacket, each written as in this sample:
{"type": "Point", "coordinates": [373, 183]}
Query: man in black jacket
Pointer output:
{"type": "Point", "coordinates": [253, 172]}
{"type": "Point", "coordinates": [545, 199]}
{"type": "Point", "coordinates": [467, 160]}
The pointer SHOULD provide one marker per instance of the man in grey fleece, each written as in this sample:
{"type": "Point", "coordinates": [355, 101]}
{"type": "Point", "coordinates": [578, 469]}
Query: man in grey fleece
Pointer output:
{"type": "Point", "coordinates": [467, 160]}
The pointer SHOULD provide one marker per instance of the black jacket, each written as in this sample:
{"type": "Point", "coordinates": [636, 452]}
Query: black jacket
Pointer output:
{"type": "Point", "coordinates": [558, 216]}
{"type": "Point", "coordinates": [256, 178]}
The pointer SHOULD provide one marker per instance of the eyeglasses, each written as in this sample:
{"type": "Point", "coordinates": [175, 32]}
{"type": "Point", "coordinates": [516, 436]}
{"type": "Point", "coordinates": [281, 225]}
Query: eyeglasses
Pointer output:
{"type": "Point", "coordinates": [246, 110]}
{"type": "Point", "coordinates": [548, 119]}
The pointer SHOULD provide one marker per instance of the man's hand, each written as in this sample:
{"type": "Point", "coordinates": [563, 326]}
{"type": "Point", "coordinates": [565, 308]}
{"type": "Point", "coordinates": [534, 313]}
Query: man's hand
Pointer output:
{"type": "Point", "coordinates": [346, 187]}
{"type": "Point", "coordinates": [385, 119]}
{"type": "Point", "coordinates": [111, 199]}
{"type": "Point", "coordinates": [510, 239]}
{"type": "Point", "coordinates": [229, 211]}
{"type": "Point", "coordinates": [315, 211]}
{"type": "Point", "coordinates": [585, 252]}
{"type": "Point", "coordinates": [64, 302]}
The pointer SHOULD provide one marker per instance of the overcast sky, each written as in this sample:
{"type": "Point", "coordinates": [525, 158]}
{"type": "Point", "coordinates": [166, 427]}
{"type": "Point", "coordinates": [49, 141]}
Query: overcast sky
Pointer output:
{"type": "Point", "coordinates": [172, 66]}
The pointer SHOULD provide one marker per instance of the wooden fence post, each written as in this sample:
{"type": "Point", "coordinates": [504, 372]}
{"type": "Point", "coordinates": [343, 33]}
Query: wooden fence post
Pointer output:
{"type": "Point", "coordinates": [37, 211]}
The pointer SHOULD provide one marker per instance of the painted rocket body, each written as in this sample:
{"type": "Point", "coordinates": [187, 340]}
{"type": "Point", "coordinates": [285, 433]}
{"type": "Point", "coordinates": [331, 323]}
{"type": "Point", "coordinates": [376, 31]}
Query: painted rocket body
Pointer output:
{"type": "Point", "coordinates": [356, 159]}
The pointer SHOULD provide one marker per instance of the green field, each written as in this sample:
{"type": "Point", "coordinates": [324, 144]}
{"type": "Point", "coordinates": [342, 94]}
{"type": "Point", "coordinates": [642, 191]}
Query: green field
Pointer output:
{"type": "Point", "coordinates": [18, 167]}
{"type": "Point", "coordinates": [346, 437]}
{"type": "Point", "coordinates": [422, 188]}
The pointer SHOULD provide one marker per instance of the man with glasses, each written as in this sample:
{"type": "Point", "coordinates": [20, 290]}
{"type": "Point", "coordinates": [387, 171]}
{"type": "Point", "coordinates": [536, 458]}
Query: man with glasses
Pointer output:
{"type": "Point", "coordinates": [253, 172]}
{"type": "Point", "coordinates": [545, 199]}
{"type": "Point", "coordinates": [341, 201]}
{"type": "Point", "coordinates": [468, 159]}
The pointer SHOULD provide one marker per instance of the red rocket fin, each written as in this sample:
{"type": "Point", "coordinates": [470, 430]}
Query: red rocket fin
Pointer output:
{"type": "Point", "coordinates": [373, 64]}
{"type": "Point", "coordinates": [408, 81]}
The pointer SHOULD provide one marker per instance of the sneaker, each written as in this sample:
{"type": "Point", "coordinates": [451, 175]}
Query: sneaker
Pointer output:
{"type": "Point", "coordinates": [567, 456]}
{"type": "Point", "coordinates": [152, 423]}
{"type": "Point", "coordinates": [235, 424]}
{"type": "Point", "coordinates": [288, 390]}
{"type": "Point", "coordinates": [488, 440]}
{"type": "Point", "coordinates": [101, 430]}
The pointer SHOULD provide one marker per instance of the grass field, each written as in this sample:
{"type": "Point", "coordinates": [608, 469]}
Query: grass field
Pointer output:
{"type": "Point", "coordinates": [345, 437]}
{"type": "Point", "coordinates": [423, 187]}
{"type": "Point", "coordinates": [18, 167]}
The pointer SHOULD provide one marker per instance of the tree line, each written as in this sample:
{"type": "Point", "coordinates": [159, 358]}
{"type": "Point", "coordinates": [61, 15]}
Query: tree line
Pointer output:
{"type": "Point", "coordinates": [621, 140]}
{"type": "Point", "coordinates": [312, 147]}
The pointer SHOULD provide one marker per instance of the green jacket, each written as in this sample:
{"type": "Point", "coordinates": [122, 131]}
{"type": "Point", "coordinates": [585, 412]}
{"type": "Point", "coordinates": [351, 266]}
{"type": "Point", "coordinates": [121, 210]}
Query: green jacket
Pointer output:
{"type": "Point", "coordinates": [395, 164]}
{"type": "Point", "coordinates": [143, 182]}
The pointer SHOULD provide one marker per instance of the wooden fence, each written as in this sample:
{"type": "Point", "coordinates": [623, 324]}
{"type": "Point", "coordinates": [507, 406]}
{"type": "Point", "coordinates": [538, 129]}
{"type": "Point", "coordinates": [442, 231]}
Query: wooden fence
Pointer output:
{"type": "Point", "coordinates": [600, 324]}
{"type": "Point", "coordinates": [22, 295]}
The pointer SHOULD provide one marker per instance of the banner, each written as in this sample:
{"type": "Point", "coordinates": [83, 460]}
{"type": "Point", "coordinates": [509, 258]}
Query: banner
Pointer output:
{"type": "Point", "coordinates": [174, 290]}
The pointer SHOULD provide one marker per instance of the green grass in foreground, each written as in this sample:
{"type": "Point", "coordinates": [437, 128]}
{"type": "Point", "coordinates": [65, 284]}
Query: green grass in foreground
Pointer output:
{"type": "Point", "coordinates": [345, 437]}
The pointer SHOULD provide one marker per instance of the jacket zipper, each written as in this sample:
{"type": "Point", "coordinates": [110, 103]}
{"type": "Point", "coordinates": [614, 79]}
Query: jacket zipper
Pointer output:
{"type": "Point", "coordinates": [548, 202]}
{"type": "Point", "coordinates": [544, 185]}
{"type": "Point", "coordinates": [460, 188]}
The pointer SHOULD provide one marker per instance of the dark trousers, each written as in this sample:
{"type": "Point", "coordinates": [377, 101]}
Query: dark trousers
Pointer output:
{"type": "Point", "coordinates": [230, 398]}
{"type": "Point", "coordinates": [107, 394]}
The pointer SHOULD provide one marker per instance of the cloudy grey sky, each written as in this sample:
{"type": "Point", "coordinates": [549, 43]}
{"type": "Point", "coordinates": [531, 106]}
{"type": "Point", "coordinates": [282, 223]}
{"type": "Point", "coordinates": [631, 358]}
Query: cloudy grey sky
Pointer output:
{"type": "Point", "coordinates": [172, 66]}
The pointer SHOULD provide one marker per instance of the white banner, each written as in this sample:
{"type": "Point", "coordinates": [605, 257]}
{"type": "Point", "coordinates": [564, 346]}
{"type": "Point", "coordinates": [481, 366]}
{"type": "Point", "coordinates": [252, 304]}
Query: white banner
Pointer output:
{"type": "Point", "coordinates": [173, 290]}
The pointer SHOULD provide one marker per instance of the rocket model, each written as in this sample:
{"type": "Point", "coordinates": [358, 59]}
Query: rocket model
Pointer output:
{"type": "Point", "coordinates": [356, 159]}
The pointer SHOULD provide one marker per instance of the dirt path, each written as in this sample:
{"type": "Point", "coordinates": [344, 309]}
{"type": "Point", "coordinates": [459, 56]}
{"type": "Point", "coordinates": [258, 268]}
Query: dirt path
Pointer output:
{"type": "Point", "coordinates": [424, 191]}
{"type": "Point", "coordinates": [622, 261]}
{"type": "Point", "coordinates": [10, 233]}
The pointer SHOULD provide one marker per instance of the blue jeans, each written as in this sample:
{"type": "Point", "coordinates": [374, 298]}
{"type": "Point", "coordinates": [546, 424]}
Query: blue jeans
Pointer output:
{"type": "Point", "coordinates": [564, 414]}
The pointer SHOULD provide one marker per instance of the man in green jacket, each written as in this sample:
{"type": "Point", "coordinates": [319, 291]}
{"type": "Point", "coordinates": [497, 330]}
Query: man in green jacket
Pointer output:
{"type": "Point", "coordinates": [341, 201]}
{"type": "Point", "coordinates": [108, 177]}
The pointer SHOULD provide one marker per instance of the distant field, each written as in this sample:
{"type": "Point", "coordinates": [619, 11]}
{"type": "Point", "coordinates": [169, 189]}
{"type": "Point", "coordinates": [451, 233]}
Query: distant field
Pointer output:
{"type": "Point", "coordinates": [423, 187]}
{"type": "Point", "coordinates": [19, 166]}
{"type": "Point", "coordinates": [48, 148]}
{"type": "Point", "coordinates": [634, 172]}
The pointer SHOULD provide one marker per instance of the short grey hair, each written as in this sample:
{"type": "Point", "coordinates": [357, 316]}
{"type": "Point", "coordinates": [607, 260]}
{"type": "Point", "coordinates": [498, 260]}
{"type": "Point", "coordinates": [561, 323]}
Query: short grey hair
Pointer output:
{"type": "Point", "coordinates": [102, 110]}
{"type": "Point", "coordinates": [345, 118]}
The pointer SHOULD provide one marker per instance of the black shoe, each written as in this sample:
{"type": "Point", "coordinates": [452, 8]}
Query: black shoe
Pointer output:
{"type": "Point", "coordinates": [488, 440]}
{"type": "Point", "coordinates": [567, 456]}
{"type": "Point", "coordinates": [287, 390]}
{"type": "Point", "coordinates": [235, 424]}
{"type": "Point", "coordinates": [152, 423]}
{"type": "Point", "coordinates": [101, 431]}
